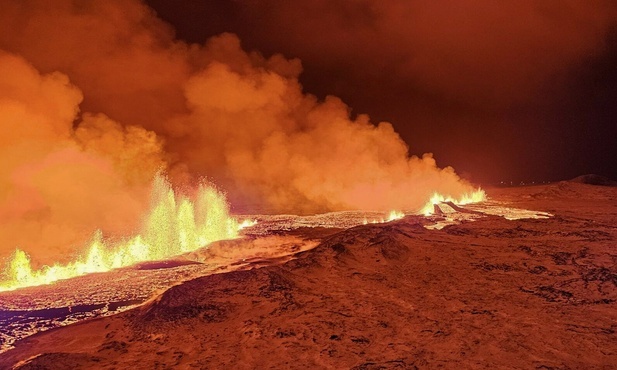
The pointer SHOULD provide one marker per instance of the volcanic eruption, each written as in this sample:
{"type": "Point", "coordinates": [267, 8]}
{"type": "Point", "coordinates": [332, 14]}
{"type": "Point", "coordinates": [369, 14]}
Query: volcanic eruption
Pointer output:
{"type": "Point", "coordinates": [207, 194]}
{"type": "Point", "coordinates": [87, 127]}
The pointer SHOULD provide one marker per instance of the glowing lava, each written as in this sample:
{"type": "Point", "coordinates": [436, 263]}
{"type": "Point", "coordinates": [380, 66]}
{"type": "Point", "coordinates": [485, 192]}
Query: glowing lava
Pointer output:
{"type": "Point", "coordinates": [392, 216]}
{"type": "Point", "coordinates": [477, 196]}
{"type": "Point", "coordinates": [395, 215]}
{"type": "Point", "coordinates": [174, 225]}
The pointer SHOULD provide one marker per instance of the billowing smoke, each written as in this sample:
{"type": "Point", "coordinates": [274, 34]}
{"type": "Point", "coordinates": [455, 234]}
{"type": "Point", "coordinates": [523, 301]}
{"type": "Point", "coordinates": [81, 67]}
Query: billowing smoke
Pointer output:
{"type": "Point", "coordinates": [152, 102]}
{"type": "Point", "coordinates": [59, 184]}
{"type": "Point", "coordinates": [251, 127]}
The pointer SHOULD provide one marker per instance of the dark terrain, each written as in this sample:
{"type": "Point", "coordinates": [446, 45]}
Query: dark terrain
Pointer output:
{"type": "Point", "coordinates": [494, 293]}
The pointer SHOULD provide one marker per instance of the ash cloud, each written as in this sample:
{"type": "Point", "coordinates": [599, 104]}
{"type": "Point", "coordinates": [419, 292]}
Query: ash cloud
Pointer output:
{"type": "Point", "coordinates": [481, 83]}
{"type": "Point", "coordinates": [98, 95]}
{"type": "Point", "coordinates": [252, 128]}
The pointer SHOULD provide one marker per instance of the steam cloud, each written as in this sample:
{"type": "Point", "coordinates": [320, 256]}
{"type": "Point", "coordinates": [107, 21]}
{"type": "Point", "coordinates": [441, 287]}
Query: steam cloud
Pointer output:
{"type": "Point", "coordinates": [59, 184]}
{"type": "Point", "coordinates": [150, 102]}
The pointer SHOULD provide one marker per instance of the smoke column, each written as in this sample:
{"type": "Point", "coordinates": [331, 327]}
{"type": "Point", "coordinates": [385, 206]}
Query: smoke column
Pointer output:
{"type": "Point", "coordinates": [97, 96]}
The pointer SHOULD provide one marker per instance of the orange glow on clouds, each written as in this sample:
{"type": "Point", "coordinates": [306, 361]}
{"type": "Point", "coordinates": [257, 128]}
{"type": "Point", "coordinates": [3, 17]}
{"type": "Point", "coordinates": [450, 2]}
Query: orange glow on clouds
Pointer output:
{"type": "Point", "coordinates": [173, 225]}
{"type": "Point", "coordinates": [97, 98]}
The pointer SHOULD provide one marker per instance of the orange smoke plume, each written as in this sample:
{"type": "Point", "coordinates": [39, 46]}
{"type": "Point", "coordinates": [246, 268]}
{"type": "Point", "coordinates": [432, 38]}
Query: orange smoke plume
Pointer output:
{"type": "Point", "coordinates": [58, 184]}
{"type": "Point", "coordinates": [151, 102]}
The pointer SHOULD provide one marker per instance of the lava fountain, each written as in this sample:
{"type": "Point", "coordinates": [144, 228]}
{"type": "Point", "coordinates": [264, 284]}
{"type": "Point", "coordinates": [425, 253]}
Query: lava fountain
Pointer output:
{"type": "Point", "coordinates": [476, 196]}
{"type": "Point", "coordinates": [175, 224]}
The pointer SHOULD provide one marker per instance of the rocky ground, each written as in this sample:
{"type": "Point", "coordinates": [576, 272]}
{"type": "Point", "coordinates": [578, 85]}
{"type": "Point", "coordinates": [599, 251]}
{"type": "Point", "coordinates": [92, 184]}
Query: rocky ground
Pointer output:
{"type": "Point", "coordinates": [494, 293]}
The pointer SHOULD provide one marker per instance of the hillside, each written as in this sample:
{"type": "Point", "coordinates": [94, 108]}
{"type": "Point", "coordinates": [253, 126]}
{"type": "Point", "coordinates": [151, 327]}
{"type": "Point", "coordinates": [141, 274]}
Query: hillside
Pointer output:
{"type": "Point", "coordinates": [537, 293]}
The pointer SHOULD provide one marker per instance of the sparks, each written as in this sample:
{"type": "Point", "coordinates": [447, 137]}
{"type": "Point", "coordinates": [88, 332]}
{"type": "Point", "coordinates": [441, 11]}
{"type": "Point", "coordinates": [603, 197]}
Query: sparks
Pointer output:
{"type": "Point", "coordinates": [174, 225]}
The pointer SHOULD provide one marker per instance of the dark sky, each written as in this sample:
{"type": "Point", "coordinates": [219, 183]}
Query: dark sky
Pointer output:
{"type": "Point", "coordinates": [512, 91]}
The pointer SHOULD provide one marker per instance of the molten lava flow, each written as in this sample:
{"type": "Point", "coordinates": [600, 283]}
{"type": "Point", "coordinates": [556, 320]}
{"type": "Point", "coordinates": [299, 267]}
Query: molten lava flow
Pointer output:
{"type": "Point", "coordinates": [392, 216]}
{"type": "Point", "coordinates": [395, 215]}
{"type": "Point", "coordinates": [247, 223]}
{"type": "Point", "coordinates": [174, 225]}
{"type": "Point", "coordinates": [477, 196]}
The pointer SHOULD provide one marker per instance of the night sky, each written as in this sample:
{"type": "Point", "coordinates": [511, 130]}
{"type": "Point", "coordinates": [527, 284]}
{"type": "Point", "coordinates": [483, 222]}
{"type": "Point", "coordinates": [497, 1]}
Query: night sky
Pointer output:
{"type": "Point", "coordinates": [501, 91]}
